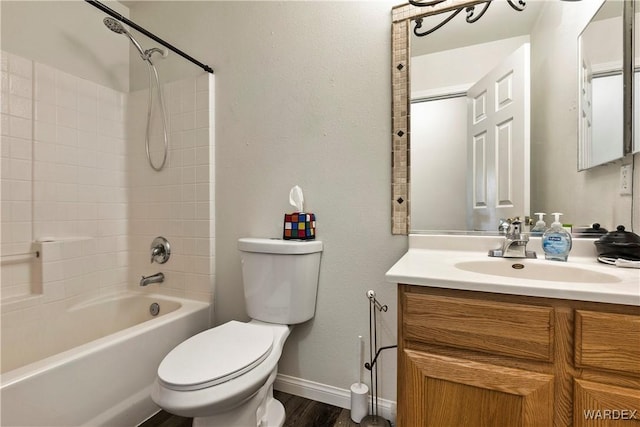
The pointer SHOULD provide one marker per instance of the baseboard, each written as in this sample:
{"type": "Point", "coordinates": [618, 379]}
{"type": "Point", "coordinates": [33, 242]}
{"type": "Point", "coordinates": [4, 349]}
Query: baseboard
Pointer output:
{"type": "Point", "coordinates": [328, 394]}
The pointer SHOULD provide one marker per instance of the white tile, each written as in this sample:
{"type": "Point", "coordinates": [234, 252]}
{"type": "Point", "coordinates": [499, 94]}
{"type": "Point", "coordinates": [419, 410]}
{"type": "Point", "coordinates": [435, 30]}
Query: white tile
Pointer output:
{"type": "Point", "coordinates": [67, 192]}
{"type": "Point", "coordinates": [4, 61]}
{"type": "Point", "coordinates": [190, 120]}
{"type": "Point", "coordinates": [20, 148]}
{"type": "Point", "coordinates": [21, 190]}
{"type": "Point", "coordinates": [176, 122]}
{"type": "Point", "coordinates": [202, 119]}
{"type": "Point", "coordinates": [87, 122]}
{"type": "Point", "coordinates": [87, 105]}
{"type": "Point", "coordinates": [20, 127]}
{"type": "Point", "coordinates": [4, 103]}
{"type": "Point", "coordinates": [66, 136]}
{"type": "Point", "coordinates": [66, 117]}
{"type": "Point", "coordinates": [45, 112]}
{"type": "Point", "coordinates": [21, 170]}
{"type": "Point", "coordinates": [188, 96]}
{"type": "Point", "coordinates": [66, 98]}
{"type": "Point", "coordinates": [21, 66]}
{"type": "Point", "coordinates": [44, 151]}
{"type": "Point", "coordinates": [20, 107]}
{"type": "Point", "coordinates": [20, 86]}
{"type": "Point", "coordinates": [45, 90]}
{"type": "Point", "coordinates": [21, 231]}
{"type": "Point", "coordinates": [66, 89]}
{"type": "Point", "coordinates": [202, 137]}
{"type": "Point", "coordinates": [45, 132]}
{"type": "Point", "coordinates": [87, 89]}
{"type": "Point", "coordinates": [202, 210]}
{"type": "Point", "coordinates": [202, 191]}
{"type": "Point", "coordinates": [202, 101]}
{"type": "Point", "coordinates": [4, 88]}
{"type": "Point", "coordinates": [5, 125]}
{"type": "Point", "coordinates": [189, 139]}
{"type": "Point", "coordinates": [189, 157]}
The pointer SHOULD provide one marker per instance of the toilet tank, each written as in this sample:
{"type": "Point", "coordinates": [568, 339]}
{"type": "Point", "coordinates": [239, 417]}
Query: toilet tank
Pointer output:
{"type": "Point", "coordinates": [280, 278]}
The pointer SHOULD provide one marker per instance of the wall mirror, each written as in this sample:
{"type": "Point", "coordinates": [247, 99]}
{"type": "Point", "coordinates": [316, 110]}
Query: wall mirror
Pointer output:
{"type": "Point", "coordinates": [431, 183]}
{"type": "Point", "coordinates": [636, 79]}
{"type": "Point", "coordinates": [600, 78]}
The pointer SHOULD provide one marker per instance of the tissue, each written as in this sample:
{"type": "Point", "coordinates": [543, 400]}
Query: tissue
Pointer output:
{"type": "Point", "coordinates": [296, 198]}
{"type": "Point", "coordinates": [298, 225]}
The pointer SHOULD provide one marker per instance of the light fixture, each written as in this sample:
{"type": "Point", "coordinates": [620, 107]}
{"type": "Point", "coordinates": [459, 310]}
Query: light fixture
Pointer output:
{"type": "Point", "coordinates": [472, 16]}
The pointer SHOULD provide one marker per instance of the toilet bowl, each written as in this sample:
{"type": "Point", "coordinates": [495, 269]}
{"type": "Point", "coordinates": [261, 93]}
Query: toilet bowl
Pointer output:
{"type": "Point", "coordinates": [216, 373]}
{"type": "Point", "coordinates": [224, 376]}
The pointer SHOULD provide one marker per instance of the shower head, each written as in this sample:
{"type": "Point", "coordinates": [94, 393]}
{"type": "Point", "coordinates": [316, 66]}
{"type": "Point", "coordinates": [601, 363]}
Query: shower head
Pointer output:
{"type": "Point", "coordinates": [115, 26]}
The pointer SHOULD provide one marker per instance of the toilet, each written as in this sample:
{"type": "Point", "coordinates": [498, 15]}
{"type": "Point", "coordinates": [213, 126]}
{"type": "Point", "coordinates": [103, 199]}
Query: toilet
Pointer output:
{"type": "Point", "coordinates": [224, 376]}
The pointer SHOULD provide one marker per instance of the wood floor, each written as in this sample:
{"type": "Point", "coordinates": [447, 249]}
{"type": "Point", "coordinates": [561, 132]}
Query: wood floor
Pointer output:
{"type": "Point", "coordinates": [300, 412]}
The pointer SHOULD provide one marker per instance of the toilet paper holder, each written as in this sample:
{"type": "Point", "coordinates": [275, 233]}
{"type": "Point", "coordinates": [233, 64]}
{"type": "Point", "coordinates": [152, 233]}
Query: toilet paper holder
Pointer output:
{"type": "Point", "coordinates": [374, 419]}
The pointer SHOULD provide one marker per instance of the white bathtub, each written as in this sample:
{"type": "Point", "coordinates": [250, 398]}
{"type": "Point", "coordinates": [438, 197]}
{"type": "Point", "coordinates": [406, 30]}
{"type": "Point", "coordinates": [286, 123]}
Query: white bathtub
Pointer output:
{"type": "Point", "coordinates": [98, 370]}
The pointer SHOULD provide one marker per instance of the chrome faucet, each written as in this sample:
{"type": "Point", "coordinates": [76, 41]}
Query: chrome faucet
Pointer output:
{"type": "Point", "coordinates": [160, 250]}
{"type": "Point", "coordinates": [154, 278]}
{"type": "Point", "coordinates": [514, 244]}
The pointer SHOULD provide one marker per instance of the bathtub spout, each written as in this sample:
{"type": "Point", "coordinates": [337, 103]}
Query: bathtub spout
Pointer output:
{"type": "Point", "coordinates": [155, 278]}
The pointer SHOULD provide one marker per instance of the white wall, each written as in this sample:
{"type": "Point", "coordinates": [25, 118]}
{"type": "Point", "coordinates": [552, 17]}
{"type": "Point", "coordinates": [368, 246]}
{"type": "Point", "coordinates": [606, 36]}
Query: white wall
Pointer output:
{"type": "Point", "coordinates": [554, 123]}
{"type": "Point", "coordinates": [302, 97]}
{"type": "Point", "coordinates": [70, 36]}
{"type": "Point", "coordinates": [438, 71]}
{"type": "Point", "coordinates": [438, 165]}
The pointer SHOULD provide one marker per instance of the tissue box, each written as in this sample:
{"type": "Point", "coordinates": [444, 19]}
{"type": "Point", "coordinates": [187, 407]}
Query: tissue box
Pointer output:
{"type": "Point", "coordinates": [299, 226]}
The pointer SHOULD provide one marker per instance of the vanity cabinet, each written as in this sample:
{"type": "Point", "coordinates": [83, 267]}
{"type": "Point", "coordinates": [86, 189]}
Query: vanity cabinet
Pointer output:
{"type": "Point", "coordinates": [469, 358]}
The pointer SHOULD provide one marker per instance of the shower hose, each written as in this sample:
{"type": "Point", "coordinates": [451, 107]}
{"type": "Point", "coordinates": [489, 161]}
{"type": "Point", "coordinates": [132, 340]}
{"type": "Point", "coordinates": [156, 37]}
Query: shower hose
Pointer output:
{"type": "Point", "coordinates": [154, 81]}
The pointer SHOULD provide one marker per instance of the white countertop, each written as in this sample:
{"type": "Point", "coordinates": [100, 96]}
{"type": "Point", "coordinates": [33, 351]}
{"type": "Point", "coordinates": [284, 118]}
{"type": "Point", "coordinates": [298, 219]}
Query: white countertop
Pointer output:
{"type": "Point", "coordinates": [431, 261]}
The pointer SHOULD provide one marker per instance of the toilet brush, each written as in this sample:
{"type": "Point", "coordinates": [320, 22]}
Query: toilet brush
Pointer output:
{"type": "Point", "coordinates": [359, 390]}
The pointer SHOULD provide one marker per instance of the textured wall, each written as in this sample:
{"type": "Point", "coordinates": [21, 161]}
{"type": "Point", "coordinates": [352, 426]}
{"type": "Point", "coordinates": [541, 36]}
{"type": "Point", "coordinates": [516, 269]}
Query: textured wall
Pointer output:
{"type": "Point", "coordinates": [70, 36]}
{"type": "Point", "coordinates": [554, 127]}
{"type": "Point", "coordinates": [302, 97]}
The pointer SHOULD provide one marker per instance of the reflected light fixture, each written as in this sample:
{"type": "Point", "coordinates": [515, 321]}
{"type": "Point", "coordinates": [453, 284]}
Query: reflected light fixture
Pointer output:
{"type": "Point", "coordinates": [472, 16]}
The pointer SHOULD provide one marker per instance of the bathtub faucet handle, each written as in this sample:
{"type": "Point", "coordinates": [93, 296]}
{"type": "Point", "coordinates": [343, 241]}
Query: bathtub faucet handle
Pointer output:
{"type": "Point", "coordinates": [160, 250]}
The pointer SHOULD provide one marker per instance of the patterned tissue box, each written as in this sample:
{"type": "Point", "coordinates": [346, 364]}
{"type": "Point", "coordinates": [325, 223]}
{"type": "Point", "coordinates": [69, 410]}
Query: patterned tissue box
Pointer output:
{"type": "Point", "coordinates": [299, 226]}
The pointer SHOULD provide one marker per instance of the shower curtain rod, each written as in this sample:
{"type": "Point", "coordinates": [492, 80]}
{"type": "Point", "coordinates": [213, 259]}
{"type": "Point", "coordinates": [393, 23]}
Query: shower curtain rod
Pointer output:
{"type": "Point", "coordinates": [152, 36]}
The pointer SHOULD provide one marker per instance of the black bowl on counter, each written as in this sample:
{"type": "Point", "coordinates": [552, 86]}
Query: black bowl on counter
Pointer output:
{"type": "Point", "coordinates": [619, 244]}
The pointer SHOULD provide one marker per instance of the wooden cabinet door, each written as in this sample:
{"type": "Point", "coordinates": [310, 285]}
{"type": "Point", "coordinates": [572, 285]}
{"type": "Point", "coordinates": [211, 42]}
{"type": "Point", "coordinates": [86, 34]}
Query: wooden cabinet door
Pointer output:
{"type": "Point", "coordinates": [603, 405]}
{"type": "Point", "coordinates": [608, 341]}
{"type": "Point", "coordinates": [440, 391]}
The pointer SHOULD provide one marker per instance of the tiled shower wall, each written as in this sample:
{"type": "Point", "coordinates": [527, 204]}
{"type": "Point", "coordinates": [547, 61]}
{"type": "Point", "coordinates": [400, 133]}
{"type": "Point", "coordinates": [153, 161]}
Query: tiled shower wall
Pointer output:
{"type": "Point", "coordinates": [177, 202]}
{"type": "Point", "coordinates": [63, 180]}
{"type": "Point", "coordinates": [16, 174]}
{"type": "Point", "coordinates": [74, 176]}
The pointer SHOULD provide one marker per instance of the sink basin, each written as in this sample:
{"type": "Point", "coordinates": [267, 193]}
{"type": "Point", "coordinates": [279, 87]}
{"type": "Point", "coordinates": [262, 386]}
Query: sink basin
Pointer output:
{"type": "Point", "coordinates": [536, 270]}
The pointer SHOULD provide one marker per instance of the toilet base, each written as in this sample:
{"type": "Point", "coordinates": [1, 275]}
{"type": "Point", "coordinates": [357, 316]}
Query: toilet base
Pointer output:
{"type": "Point", "coordinates": [261, 410]}
{"type": "Point", "coordinates": [275, 415]}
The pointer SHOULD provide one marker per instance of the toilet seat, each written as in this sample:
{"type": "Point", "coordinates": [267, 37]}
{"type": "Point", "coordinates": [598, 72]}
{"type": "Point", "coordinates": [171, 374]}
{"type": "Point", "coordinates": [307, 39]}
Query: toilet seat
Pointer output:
{"type": "Point", "coordinates": [215, 356]}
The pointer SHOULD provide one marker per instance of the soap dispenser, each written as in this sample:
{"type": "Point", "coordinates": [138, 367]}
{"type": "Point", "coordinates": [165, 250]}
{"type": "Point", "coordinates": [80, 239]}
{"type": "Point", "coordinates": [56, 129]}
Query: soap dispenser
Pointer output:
{"type": "Point", "coordinates": [556, 241]}
{"type": "Point", "coordinates": [540, 226]}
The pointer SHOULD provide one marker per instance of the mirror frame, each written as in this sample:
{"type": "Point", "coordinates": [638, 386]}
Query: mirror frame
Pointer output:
{"type": "Point", "coordinates": [402, 17]}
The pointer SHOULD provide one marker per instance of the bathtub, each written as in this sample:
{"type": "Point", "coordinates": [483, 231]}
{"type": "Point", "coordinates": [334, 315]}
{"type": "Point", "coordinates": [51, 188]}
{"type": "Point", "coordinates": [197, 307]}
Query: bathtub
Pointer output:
{"type": "Point", "coordinates": [99, 368]}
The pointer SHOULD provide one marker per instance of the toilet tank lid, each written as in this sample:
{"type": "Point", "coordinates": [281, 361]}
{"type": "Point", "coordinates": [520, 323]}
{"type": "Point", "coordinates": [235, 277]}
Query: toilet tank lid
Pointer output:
{"type": "Point", "coordinates": [279, 246]}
